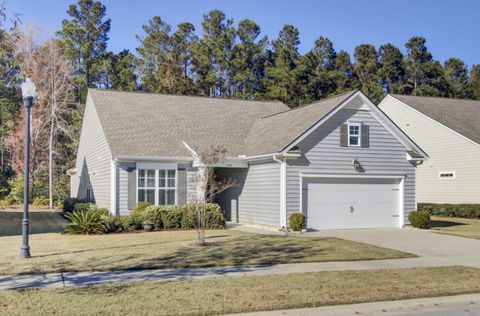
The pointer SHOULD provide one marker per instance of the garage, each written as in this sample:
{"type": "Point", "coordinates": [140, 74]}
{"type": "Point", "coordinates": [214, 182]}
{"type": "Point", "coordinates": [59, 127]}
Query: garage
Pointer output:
{"type": "Point", "coordinates": [354, 202]}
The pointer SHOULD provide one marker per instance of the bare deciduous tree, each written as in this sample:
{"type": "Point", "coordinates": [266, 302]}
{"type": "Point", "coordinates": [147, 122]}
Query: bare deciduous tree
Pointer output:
{"type": "Point", "coordinates": [47, 65]}
{"type": "Point", "coordinates": [208, 185]}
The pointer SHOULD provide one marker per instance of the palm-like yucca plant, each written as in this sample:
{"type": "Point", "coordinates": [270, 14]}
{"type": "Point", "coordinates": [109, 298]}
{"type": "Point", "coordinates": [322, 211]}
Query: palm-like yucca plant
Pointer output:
{"type": "Point", "coordinates": [85, 222]}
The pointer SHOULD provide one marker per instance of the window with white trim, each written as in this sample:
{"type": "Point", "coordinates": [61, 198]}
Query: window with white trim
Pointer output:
{"type": "Point", "coordinates": [146, 185]}
{"type": "Point", "coordinates": [446, 175]}
{"type": "Point", "coordinates": [166, 187]}
{"type": "Point", "coordinates": [157, 186]}
{"type": "Point", "coordinates": [354, 132]}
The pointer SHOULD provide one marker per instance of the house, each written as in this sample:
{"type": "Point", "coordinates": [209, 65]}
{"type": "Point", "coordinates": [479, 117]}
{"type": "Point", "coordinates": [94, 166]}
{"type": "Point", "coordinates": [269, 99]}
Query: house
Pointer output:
{"type": "Point", "coordinates": [340, 161]}
{"type": "Point", "coordinates": [449, 131]}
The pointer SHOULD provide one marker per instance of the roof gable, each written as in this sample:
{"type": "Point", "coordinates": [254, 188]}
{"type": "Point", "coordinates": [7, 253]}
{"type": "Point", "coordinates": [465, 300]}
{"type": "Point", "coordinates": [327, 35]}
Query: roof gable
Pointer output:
{"type": "Point", "coordinates": [274, 133]}
{"type": "Point", "coordinates": [461, 116]}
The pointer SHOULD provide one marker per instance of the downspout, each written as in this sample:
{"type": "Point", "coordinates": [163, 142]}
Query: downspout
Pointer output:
{"type": "Point", "coordinates": [283, 190]}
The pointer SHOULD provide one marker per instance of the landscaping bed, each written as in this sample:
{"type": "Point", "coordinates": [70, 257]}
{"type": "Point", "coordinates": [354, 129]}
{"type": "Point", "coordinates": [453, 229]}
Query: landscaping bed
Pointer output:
{"type": "Point", "coordinates": [176, 249]}
{"type": "Point", "coordinates": [244, 294]}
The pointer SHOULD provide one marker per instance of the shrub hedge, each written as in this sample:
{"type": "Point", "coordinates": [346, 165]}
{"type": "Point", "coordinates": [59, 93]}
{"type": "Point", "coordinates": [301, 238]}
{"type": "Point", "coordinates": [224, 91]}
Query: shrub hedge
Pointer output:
{"type": "Point", "coordinates": [296, 222]}
{"type": "Point", "coordinates": [419, 219]}
{"type": "Point", "coordinates": [451, 210]}
{"type": "Point", "coordinates": [90, 219]}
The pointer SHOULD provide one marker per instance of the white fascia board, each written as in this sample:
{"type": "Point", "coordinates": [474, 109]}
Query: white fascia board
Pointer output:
{"type": "Point", "coordinates": [431, 119]}
{"type": "Point", "coordinates": [351, 176]}
{"type": "Point", "coordinates": [325, 118]}
{"type": "Point", "coordinates": [125, 158]}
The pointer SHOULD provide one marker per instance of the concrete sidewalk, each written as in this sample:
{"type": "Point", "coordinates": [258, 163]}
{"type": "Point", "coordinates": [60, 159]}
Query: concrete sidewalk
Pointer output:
{"type": "Point", "coordinates": [439, 306]}
{"type": "Point", "coordinates": [69, 279]}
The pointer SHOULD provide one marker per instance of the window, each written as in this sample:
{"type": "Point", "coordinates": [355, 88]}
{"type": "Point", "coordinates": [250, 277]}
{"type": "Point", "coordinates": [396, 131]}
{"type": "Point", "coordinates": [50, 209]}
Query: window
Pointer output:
{"type": "Point", "coordinates": [447, 175]}
{"type": "Point", "coordinates": [166, 187]}
{"type": "Point", "coordinates": [89, 196]}
{"type": "Point", "coordinates": [146, 186]}
{"type": "Point", "coordinates": [157, 187]}
{"type": "Point", "coordinates": [354, 134]}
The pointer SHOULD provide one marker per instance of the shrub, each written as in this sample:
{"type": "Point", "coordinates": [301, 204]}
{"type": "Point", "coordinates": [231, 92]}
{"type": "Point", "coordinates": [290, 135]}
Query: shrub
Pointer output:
{"type": "Point", "coordinates": [171, 217]}
{"type": "Point", "coordinates": [152, 215]}
{"type": "Point", "coordinates": [41, 201]}
{"type": "Point", "coordinates": [190, 216]}
{"type": "Point", "coordinates": [80, 207]}
{"type": "Point", "coordinates": [16, 189]}
{"type": "Point", "coordinates": [451, 210]}
{"type": "Point", "coordinates": [6, 202]}
{"type": "Point", "coordinates": [127, 223]}
{"type": "Point", "coordinates": [419, 219]}
{"type": "Point", "coordinates": [296, 222]}
{"type": "Point", "coordinates": [112, 224]}
{"type": "Point", "coordinates": [69, 204]}
{"type": "Point", "coordinates": [85, 222]}
{"type": "Point", "coordinates": [214, 218]}
{"type": "Point", "coordinates": [137, 214]}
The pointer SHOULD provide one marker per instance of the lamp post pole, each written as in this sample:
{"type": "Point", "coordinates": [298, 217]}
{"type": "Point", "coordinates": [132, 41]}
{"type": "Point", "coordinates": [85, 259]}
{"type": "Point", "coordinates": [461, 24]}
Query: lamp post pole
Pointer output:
{"type": "Point", "coordinates": [25, 250]}
{"type": "Point", "coordinates": [28, 93]}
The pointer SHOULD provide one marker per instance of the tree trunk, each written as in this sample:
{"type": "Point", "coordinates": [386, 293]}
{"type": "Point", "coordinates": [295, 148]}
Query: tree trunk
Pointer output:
{"type": "Point", "coordinates": [50, 166]}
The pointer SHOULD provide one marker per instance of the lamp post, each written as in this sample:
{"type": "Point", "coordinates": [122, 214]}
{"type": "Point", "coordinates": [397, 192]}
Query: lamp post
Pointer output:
{"type": "Point", "coordinates": [28, 93]}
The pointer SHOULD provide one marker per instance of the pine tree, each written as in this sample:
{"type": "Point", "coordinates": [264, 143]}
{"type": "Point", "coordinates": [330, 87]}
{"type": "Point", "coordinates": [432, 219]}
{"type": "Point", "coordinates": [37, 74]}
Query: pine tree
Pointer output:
{"type": "Point", "coordinates": [84, 38]}
{"type": "Point", "coordinates": [456, 74]}
{"type": "Point", "coordinates": [213, 55]}
{"type": "Point", "coordinates": [183, 40]}
{"type": "Point", "coordinates": [343, 73]}
{"type": "Point", "coordinates": [281, 80]}
{"type": "Point", "coordinates": [392, 71]}
{"type": "Point", "coordinates": [155, 59]}
{"type": "Point", "coordinates": [475, 81]}
{"type": "Point", "coordinates": [248, 62]}
{"type": "Point", "coordinates": [366, 70]}
{"type": "Point", "coordinates": [321, 63]}
{"type": "Point", "coordinates": [118, 71]}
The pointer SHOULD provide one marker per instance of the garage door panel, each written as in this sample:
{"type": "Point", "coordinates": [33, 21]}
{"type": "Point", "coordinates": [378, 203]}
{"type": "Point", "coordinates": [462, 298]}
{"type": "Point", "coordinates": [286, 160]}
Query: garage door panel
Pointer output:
{"type": "Point", "coordinates": [336, 203]}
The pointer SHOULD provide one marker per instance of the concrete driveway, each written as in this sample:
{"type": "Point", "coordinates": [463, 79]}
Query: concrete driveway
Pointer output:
{"type": "Point", "coordinates": [431, 246]}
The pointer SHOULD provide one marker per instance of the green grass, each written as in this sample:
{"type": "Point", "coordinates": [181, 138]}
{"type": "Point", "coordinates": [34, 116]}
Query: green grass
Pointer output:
{"type": "Point", "coordinates": [40, 222]}
{"type": "Point", "coordinates": [463, 227]}
{"type": "Point", "coordinates": [176, 249]}
{"type": "Point", "coordinates": [244, 294]}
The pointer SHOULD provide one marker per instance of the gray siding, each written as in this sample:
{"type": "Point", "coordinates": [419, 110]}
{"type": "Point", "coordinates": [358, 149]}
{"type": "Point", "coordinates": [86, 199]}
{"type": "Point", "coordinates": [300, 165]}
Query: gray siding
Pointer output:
{"type": "Point", "coordinates": [323, 154]}
{"type": "Point", "coordinates": [256, 198]}
{"type": "Point", "coordinates": [93, 161]}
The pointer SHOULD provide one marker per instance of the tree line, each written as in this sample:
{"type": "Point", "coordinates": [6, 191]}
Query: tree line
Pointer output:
{"type": "Point", "coordinates": [227, 60]}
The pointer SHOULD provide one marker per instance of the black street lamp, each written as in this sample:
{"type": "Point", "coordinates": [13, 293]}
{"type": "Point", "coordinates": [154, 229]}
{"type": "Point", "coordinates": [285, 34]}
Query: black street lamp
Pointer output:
{"type": "Point", "coordinates": [28, 93]}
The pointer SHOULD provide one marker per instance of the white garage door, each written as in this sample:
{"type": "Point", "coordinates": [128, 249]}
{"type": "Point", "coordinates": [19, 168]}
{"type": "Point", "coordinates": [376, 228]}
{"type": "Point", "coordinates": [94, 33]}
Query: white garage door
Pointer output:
{"type": "Point", "coordinates": [344, 203]}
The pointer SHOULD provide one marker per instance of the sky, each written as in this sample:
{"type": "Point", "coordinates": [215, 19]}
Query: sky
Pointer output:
{"type": "Point", "coordinates": [452, 28]}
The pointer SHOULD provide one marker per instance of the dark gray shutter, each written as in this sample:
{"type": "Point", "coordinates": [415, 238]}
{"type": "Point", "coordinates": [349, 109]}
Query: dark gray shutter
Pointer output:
{"type": "Point", "coordinates": [344, 135]}
{"type": "Point", "coordinates": [365, 142]}
{"type": "Point", "coordinates": [132, 188]}
{"type": "Point", "coordinates": [182, 186]}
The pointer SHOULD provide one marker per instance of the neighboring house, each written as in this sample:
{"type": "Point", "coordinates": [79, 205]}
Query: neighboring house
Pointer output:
{"type": "Point", "coordinates": [340, 161]}
{"type": "Point", "coordinates": [449, 131]}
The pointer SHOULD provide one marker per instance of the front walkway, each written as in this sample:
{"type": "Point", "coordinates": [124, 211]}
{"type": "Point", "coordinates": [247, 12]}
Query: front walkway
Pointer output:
{"type": "Point", "coordinates": [433, 249]}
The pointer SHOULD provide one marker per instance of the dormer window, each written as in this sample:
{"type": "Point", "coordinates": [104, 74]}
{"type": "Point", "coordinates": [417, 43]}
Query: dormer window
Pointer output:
{"type": "Point", "coordinates": [354, 132]}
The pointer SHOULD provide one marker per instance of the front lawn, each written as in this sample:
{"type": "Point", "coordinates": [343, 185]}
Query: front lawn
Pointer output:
{"type": "Point", "coordinates": [41, 221]}
{"type": "Point", "coordinates": [176, 249]}
{"type": "Point", "coordinates": [463, 227]}
{"type": "Point", "coordinates": [244, 294]}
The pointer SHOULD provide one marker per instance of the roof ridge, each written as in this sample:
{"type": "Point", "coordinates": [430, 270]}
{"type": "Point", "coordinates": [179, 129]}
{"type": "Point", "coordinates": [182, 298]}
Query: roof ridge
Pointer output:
{"type": "Point", "coordinates": [432, 97]}
{"type": "Point", "coordinates": [312, 103]}
{"type": "Point", "coordinates": [186, 95]}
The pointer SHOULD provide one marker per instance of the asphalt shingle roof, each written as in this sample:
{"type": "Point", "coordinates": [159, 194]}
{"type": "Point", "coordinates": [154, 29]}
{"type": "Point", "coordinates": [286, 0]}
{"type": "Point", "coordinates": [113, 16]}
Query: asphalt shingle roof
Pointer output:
{"type": "Point", "coordinates": [145, 124]}
{"type": "Point", "coordinates": [459, 115]}
{"type": "Point", "coordinates": [154, 125]}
